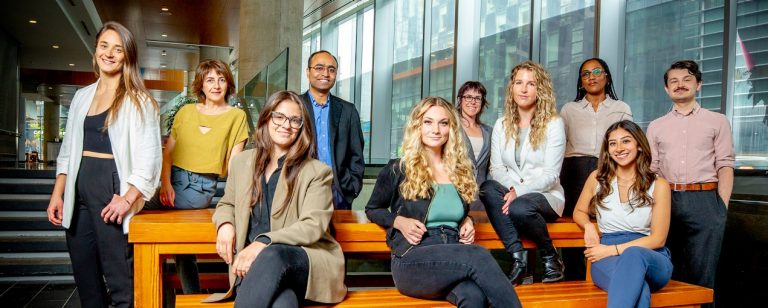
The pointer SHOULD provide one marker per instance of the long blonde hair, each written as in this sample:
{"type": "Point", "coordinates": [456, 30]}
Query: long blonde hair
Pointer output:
{"type": "Point", "coordinates": [545, 105]}
{"type": "Point", "coordinates": [415, 164]}
{"type": "Point", "coordinates": [131, 83]}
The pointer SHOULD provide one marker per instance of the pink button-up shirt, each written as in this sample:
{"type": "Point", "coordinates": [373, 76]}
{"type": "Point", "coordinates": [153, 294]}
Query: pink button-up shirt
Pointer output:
{"type": "Point", "coordinates": [690, 148]}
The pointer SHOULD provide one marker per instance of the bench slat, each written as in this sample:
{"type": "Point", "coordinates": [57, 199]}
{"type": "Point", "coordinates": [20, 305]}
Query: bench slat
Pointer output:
{"type": "Point", "coordinates": [540, 295]}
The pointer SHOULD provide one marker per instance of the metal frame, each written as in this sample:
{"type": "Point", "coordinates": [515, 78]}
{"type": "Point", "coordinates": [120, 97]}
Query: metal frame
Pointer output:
{"type": "Point", "coordinates": [382, 80]}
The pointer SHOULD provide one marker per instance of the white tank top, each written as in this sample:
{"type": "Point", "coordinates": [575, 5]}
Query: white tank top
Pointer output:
{"type": "Point", "coordinates": [621, 217]}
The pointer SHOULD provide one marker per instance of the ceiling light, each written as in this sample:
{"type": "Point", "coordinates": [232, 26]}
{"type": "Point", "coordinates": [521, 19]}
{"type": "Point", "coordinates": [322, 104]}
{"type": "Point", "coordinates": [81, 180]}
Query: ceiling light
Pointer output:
{"type": "Point", "coordinates": [164, 9]}
{"type": "Point", "coordinates": [163, 65]}
{"type": "Point", "coordinates": [55, 46]}
{"type": "Point", "coordinates": [71, 64]}
{"type": "Point", "coordinates": [163, 53]}
{"type": "Point", "coordinates": [164, 35]}
{"type": "Point", "coordinates": [32, 21]}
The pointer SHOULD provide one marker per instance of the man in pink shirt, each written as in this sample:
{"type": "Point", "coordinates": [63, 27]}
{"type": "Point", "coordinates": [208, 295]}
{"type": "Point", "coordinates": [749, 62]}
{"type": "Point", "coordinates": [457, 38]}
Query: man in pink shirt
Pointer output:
{"type": "Point", "coordinates": [692, 148]}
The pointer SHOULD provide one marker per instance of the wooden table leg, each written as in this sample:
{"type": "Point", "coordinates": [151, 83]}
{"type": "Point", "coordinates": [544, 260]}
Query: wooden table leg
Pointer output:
{"type": "Point", "coordinates": [589, 270]}
{"type": "Point", "coordinates": [147, 276]}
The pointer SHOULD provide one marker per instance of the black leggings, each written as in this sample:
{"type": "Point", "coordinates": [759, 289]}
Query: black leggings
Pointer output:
{"type": "Point", "coordinates": [99, 251]}
{"type": "Point", "coordinates": [528, 215]}
{"type": "Point", "coordinates": [277, 278]}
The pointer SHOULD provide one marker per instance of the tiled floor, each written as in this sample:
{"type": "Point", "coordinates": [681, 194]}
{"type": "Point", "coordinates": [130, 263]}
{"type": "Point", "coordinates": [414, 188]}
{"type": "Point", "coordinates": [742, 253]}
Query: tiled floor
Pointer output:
{"type": "Point", "coordinates": [35, 294]}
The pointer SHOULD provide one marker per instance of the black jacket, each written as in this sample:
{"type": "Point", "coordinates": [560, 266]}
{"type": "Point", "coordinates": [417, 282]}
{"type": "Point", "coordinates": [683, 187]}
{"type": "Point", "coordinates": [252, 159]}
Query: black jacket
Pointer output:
{"type": "Point", "coordinates": [386, 203]}
{"type": "Point", "coordinates": [346, 145]}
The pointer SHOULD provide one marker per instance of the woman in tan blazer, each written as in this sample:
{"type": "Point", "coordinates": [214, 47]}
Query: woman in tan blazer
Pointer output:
{"type": "Point", "coordinates": [272, 223]}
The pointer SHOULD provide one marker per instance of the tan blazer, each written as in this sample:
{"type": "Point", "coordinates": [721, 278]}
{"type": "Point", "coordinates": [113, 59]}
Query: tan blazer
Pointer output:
{"type": "Point", "coordinates": [305, 222]}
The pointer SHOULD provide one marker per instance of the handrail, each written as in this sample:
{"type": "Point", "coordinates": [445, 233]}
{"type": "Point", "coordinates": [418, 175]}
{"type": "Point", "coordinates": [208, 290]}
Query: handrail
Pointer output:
{"type": "Point", "coordinates": [10, 133]}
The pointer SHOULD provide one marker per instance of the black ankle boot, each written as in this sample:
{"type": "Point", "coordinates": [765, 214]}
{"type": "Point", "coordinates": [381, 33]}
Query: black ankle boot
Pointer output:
{"type": "Point", "coordinates": [553, 268]}
{"type": "Point", "coordinates": [519, 274]}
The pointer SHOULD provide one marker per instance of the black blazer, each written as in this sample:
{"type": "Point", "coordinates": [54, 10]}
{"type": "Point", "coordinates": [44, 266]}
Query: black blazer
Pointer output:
{"type": "Point", "coordinates": [346, 145]}
{"type": "Point", "coordinates": [482, 162]}
{"type": "Point", "coordinates": [386, 204]}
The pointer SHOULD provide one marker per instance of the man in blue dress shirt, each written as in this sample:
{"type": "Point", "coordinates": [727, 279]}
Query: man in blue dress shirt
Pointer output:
{"type": "Point", "coordinates": [339, 137]}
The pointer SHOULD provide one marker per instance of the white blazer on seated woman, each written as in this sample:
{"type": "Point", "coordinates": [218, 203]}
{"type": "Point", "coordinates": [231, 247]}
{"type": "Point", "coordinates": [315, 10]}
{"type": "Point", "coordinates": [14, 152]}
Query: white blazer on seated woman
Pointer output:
{"type": "Point", "coordinates": [539, 169]}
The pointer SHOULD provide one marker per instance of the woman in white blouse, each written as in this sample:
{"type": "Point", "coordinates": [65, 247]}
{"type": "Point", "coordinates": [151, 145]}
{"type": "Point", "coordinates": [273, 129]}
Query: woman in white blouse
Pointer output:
{"type": "Point", "coordinates": [109, 164]}
{"type": "Point", "coordinates": [632, 206]}
{"type": "Point", "coordinates": [524, 191]}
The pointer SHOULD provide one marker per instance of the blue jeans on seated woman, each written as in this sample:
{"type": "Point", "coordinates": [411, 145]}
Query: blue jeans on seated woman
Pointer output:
{"type": "Point", "coordinates": [442, 268]}
{"type": "Point", "coordinates": [639, 271]}
{"type": "Point", "coordinates": [193, 190]}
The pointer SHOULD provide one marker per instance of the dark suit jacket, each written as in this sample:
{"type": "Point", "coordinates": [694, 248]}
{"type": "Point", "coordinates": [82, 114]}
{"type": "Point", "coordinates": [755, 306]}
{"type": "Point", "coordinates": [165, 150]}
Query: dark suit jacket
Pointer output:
{"type": "Point", "coordinates": [346, 145]}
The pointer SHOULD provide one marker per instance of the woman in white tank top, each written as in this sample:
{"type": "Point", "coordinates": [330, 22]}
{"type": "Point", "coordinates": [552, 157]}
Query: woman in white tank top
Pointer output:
{"type": "Point", "coordinates": [632, 207]}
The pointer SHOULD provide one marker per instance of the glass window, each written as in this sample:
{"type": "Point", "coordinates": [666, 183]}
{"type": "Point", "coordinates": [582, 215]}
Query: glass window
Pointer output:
{"type": "Point", "coordinates": [750, 78]}
{"type": "Point", "coordinates": [442, 49]}
{"type": "Point", "coordinates": [567, 39]}
{"type": "Point", "coordinates": [505, 41]}
{"type": "Point", "coordinates": [310, 44]}
{"type": "Point", "coordinates": [407, 65]}
{"type": "Point", "coordinates": [366, 76]}
{"type": "Point", "coordinates": [345, 54]}
{"type": "Point", "coordinates": [659, 33]}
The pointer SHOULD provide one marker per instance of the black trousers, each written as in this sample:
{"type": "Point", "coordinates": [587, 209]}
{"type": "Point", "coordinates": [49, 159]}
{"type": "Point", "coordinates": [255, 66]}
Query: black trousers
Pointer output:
{"type": "Point", "coordinates": [277, 278]}
{"type": "Point", "coordinates": [99, 252]}
{"type": "Point", "coordinates": [696, 235]}
{"type": "Point", "coordinates": [528, 215]}
{"type": "Point", "coordinates": [573, 175]}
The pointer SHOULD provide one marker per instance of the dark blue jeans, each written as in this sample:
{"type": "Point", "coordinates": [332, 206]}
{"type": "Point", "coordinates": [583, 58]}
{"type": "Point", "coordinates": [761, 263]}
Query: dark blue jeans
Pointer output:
{"type": "Point", "coordinates": [442, 268]}
{"type": "Point", "coordinates": [630, 278]}
{"type": "Point", "coordinates": [528, 215]}
{"type": "Point", "coordinates": [277, 278]}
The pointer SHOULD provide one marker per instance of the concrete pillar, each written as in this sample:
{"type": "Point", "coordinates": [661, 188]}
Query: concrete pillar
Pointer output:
{"type": "Point", "coordinates": [267, 27]}
{"type": "Point", "coordinates": [50, 126]}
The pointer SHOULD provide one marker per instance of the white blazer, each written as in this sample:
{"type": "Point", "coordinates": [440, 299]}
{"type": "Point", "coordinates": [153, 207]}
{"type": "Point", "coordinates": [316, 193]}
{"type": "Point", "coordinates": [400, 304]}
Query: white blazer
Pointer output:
{"type": "Point", "coordinates": [135, 146]}
{"type": "Point", "coordinates": [539, 170]}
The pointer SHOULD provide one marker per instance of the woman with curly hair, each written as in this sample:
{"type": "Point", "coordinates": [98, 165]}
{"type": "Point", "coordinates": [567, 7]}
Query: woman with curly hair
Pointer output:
{"type": "Point", "coordinates": [524, 192]}
{"type": "Point", "coordinates": [422, 200]}
{"type": "Point", "coordinates": [632, 205]}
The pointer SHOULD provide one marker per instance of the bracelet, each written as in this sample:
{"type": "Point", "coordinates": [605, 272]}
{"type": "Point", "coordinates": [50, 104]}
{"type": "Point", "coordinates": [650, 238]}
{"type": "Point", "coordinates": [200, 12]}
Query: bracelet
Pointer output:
{"type": "Point", "coordinates": [617, 250]}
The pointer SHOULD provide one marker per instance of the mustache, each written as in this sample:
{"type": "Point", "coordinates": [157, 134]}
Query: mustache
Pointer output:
{"type": "Point", "coordinates": [681, 88]}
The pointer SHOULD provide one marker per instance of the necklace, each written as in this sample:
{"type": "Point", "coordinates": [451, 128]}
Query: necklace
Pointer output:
{"type": "Point", "coordinates": [626, 182]}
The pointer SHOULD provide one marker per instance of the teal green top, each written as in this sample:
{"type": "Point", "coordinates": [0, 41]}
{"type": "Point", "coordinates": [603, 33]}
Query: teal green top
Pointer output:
{"type": "Point", "coordinates": [446, 207]}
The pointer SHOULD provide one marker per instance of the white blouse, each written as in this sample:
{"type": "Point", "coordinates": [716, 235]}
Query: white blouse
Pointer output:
{"type": "Point", "coordinates": [619, 216]}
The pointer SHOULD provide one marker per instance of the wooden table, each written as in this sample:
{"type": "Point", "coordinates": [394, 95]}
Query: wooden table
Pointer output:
{"type": "Point", "coordinates": [156, 234]}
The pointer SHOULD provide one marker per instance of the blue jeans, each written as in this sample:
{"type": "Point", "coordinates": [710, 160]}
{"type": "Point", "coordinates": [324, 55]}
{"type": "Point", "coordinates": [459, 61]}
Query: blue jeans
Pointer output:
{"type": "Point", "coordinates": [639, 272]}
{"type": "Point", "coordinates": [442, 268]}
{"type": "Point", "coordinates": [193, 190]}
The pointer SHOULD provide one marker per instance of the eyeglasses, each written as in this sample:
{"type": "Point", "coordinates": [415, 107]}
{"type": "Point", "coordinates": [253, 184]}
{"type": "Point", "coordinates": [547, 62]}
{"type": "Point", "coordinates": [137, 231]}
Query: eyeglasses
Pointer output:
{"type": "Point", "coordinates": [469, 98]}
{"type": "Point", "coordinates": [597, 72]}
{"type": "Point", "coordinates": [322, 68]}
{"type": "Point", "coordinates": [278, 118]}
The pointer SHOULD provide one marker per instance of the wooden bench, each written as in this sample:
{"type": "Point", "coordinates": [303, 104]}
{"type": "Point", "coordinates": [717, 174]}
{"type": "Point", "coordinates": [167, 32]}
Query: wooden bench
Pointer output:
{"type": "Point", "coordinates": [550, 295]}
{"type": "Point", "coordinates": [156, 234]}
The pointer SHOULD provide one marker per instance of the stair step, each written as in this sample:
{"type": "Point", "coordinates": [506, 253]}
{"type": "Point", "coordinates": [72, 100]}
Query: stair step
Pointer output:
{"type": "Point", "coordinates": [24, 202]}
{"type": "Point", "coordinates": [39, 263]}
{"type": "Point", "coordinates": [49, 173]}
{"type": "Point", "coordinates": [18, 220]}
{"type": "Point", "coordinates": [26, 186]}
{"type": "Point", "coordinates": [33, 241]}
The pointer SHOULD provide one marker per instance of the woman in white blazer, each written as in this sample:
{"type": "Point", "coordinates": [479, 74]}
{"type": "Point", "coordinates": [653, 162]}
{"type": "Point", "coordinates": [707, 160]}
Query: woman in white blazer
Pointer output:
{"type": "Point", "coordinates": [109, 164]}
{"type": "Point", "coordinates": [524, 191]}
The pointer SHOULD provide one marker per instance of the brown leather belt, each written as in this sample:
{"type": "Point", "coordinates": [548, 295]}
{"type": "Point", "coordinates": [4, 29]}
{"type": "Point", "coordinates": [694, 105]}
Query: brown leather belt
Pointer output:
{"type": "Point", "coordinates": [693, 186]}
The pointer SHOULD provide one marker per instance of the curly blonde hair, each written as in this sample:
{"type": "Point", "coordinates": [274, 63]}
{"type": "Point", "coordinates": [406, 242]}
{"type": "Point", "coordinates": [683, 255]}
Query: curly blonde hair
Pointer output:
{"type": "Point", "coordinates": [545, 104]}
{"type": "Point", "coordinates": [415, 164]}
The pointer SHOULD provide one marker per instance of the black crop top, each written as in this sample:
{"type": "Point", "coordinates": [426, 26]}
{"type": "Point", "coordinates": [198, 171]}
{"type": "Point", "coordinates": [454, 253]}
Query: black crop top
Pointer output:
{"type": "Point", "coordinates": [94, 138]}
